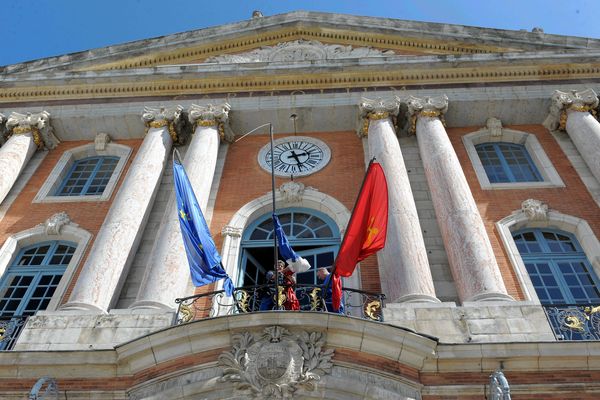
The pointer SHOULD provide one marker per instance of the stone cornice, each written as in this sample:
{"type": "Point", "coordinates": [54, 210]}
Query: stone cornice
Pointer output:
{"type": "Point", "coordinates": [296, 79]}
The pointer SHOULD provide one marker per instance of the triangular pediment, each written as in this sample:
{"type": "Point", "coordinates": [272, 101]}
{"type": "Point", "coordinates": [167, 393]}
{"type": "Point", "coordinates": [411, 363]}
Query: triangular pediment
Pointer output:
{"type": "Point", "coordinates": [311, 35]}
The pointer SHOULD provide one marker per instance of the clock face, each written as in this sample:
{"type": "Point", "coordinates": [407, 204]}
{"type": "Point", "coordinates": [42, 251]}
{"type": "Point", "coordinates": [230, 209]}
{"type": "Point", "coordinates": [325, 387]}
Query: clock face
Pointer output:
{"type": "Point", "coordinates": [295, 155]}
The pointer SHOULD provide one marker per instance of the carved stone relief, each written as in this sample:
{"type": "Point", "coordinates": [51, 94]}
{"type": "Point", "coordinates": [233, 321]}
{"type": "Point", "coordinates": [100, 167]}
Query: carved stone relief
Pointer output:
{"type": "Point", "coordinates": [300, 50]}
{"type": "Point", "coordinates": [38, 124]}
{"type": "Point", "coordinates": [494, 125]}
{"type": "Point", "coordinates": [277, 363]}
{"type": "Point", "coordinates": [292, 191]}
{"type": "Point", "coordinates": [535, 210]}
{"type": "Point", "coordinates": [100, 141]}
{"type": "Point", "coordinates": [54, 224]}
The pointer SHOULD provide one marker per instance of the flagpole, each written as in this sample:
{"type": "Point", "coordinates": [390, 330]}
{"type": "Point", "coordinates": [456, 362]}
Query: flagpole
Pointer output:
{"type": "Point", "coordinates": [351, 216]}
{"type": "Point", "coordinates": [275, 252]}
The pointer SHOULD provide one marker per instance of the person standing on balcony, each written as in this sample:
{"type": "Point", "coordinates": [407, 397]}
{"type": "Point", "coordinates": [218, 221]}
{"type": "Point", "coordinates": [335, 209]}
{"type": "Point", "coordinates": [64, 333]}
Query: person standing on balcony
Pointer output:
{"type": "Point", "coordinates": [289, 286]}
{"type": "Point", "coordinates": [268, 293]}
{"type": "Point", "coordinates": [324, 276]}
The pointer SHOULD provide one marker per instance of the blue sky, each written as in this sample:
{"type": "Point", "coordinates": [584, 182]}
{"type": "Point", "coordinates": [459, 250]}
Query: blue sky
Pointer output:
{"type": "Point", "coordinates": [32, 29]}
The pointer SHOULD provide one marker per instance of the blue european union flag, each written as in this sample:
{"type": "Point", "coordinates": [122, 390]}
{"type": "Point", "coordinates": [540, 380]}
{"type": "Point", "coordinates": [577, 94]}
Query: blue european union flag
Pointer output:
{"type": "Point", "coordinates": [202, 254]}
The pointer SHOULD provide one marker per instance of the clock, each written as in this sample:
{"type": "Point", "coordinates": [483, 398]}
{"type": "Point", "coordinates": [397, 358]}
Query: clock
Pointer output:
{"type": "Point", "coordinates": [295, 155]}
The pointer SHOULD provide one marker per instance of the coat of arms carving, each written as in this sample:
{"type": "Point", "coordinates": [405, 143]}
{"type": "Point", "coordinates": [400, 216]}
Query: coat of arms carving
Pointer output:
{"type": "Point", "coordinates": [277, 363]}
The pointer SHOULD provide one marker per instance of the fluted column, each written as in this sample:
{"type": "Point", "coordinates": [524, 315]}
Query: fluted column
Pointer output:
{"type": "Point", "coordinates": [27, 132]}
{"type": "Point", "coordinates": [106, 267]}
{"type": "Point", "coordinates": [167, 275]}
{"type": "Point", "coordinates": [470, 253]}
{"type": "Point", "coordinates": [403, 265]}
{"type": "Point", "coordinates": [575, 112]}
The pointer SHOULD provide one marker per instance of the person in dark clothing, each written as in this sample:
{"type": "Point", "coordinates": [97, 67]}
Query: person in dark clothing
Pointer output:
{"type": "Point", "coordinates": [267, 294]}
{"type": "Point", "coordinates": [324, 276]}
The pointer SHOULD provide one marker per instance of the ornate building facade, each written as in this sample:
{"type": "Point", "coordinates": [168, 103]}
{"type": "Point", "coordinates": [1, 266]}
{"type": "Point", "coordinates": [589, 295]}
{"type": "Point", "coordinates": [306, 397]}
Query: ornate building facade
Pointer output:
{"type": "Point", "coordinates": [490, 143]}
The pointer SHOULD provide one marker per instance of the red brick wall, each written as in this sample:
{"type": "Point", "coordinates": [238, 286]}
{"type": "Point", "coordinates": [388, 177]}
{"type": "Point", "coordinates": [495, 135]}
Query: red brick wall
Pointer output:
{"type": "Point", "coordinates": [244, 180]}
{"type": "Point", "coordinates": [574, 199]}
{"type": "Point", "coordinates": [23, 214]}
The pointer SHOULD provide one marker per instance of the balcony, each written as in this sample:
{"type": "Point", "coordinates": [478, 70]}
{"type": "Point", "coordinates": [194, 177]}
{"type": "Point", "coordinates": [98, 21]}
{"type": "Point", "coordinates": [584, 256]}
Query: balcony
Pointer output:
{"type": "Point", "coordinates": [574, 322]}
{"type": "Point", "coordinates": [10, 328]}
{"type": "Point", "coordinates": [262, 298]}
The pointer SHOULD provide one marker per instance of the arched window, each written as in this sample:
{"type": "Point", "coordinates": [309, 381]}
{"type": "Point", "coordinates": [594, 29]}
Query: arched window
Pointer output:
{"type": "Point", "coordinates": [32, 277]}
{"type": "Point", "coordinates": [507, 162]}
{"type": "Point", "coordinates": [88, 176]}
{"type": "Point", "coordinates": [312, 234]}
{"type": "Point", "coordinates": [558, 268]}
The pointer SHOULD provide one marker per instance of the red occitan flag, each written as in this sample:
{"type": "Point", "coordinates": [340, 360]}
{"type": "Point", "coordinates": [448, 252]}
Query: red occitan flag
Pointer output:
{"type": "Point", "coordinates": [366, 230]}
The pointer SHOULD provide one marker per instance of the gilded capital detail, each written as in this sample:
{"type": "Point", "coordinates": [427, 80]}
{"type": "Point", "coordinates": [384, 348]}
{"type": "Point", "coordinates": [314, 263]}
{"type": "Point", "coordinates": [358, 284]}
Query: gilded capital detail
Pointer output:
{"type": "Point", "coordinates": [426, 107]}
{"type": "Point", "coordinates": [164, 116]}
{"type": "Point", "coordinates": [372, 110]}
{"type": "Point", "coordinates": [211, 115]}
{"type": "Point", "coordinates": [38, 124]}
{"type": "Point", "coordinates": [578, 101]}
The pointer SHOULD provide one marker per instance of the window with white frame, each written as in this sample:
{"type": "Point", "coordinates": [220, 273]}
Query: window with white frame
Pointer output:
{"type": "Point", "coordinates": [510, 160]}
{"type": "Point", "coordinates": [85, 174]}
{"type": "Point", "coordinates": [33, 276]}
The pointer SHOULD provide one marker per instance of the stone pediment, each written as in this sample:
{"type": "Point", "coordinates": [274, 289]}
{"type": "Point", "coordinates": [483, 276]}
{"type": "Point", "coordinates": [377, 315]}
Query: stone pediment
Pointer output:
{"type": "Point", "coordinates": [339, 35]}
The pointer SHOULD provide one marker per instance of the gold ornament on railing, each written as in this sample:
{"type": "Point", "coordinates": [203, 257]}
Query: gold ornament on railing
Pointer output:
{"type": "Point", "coordinates": [244, 301]}
{"type": "Point", "coordinates": [281, 298]}
{"type": "Point", "coordinates": [315, 299]}
{"type": "Point", "coordinates": [372, 309]}
{"type": "Point", "coordinates": [186, 313]}
{"type": "Point", "coordinates": [574, 323]}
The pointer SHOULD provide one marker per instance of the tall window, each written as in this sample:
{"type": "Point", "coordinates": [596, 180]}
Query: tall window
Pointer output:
{"type": "Point", "coordinates": [31, 279]}
{"type": "Point", "coordinates": [507, 162]}
{"type": "Point", "coordinates": [312, 234]}
{"type": "Point", "coordinates": [88, 176]}
{"type": "Point", "coordinates": [558, 268]}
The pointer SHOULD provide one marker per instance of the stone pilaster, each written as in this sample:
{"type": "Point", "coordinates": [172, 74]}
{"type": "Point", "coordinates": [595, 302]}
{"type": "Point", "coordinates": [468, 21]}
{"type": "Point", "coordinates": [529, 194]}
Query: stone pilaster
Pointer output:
{"type": "Point", "coordinates": [106, 267]}
{"type": "Point", "coordinates": [575, 113]}
{"type": "Point", "coordinates": [403, 265]}
{"type": "Point", "coordinates": [470, 253]}
{"type": "Point", "coordinates": [167, 275]}
{"type": "Point", "coordinates": [26, 133]}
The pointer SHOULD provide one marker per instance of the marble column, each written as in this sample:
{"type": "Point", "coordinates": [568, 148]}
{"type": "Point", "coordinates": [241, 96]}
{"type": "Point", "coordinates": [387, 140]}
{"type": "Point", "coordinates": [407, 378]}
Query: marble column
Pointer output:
{"type": "Point", "coordinates": [167, 275]}
{"type": "Point", "coordinates": [470, 253]}
{"type": "Point", "coordinates": [107, 264]}
{"type": "Point", "coordinates": [27, 133]}
{"type": "Point", "coordinates": [403, 265]}
{"type": "Point", "coordinates": [575, 112]}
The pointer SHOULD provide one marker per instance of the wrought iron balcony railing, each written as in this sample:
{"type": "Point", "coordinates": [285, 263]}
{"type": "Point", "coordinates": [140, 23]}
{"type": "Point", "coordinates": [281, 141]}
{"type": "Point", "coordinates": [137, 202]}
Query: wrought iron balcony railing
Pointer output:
{"type": "Point", "coordinates": [574, 322]}
{"type": "Point", "coordinates": [10, 328]}
{"type": "Point", "coordinates": [259, 298]}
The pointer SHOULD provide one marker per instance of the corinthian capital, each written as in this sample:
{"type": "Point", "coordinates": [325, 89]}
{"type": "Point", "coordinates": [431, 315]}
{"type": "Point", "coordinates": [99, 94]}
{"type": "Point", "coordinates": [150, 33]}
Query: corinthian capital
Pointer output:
{"type": "Point", "coordinates": [211, 115]}
{"type": "Point", "coordinates": [373, 110]}
{"type": "Point", "coordinates": [426, 107]}
{"type": "Point", "coordinates": [39, 126]}
{"type": "Point", "coordinates": [158, 117]}
{"type": "Point", "coordinates": [583, 101]}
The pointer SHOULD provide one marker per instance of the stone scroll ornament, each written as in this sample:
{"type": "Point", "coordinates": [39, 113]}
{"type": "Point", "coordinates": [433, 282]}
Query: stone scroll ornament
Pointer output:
{"type": "Point", "coordinates": [277, 363]}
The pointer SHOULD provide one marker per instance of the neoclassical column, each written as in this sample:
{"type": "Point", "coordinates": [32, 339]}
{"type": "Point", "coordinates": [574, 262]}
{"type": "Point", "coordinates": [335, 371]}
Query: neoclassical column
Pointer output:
{"type": "Point", "coordinates": [403, 265]}
{"type": "Point", "coordinates": [167, 275]}
{"type": "Point", "coordinates": [470, 253]}
{"type": "Point", "coordinates": [575, 113]}
{"type": "Point", "coordinates": [27, 133]}
{"type": "Point", "coordinates": [106, 267]}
